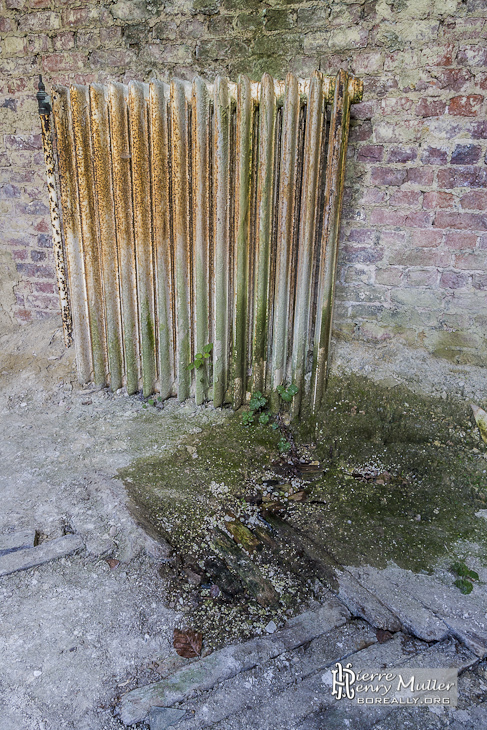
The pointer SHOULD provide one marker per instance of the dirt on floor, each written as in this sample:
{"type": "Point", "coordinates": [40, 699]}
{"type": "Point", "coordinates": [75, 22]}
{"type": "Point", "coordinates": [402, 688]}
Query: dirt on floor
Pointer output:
{"type": "Point", "coordinates": [163, 494]}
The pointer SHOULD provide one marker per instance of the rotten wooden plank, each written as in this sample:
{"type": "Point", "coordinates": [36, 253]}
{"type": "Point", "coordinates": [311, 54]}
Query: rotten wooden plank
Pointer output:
{"type": "Point", "coordinates": [247, 571]}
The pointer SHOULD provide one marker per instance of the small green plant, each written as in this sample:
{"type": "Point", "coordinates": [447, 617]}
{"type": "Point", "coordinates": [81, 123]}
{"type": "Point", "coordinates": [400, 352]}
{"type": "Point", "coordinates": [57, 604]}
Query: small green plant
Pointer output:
{"type": "Point", "coordinates": [283, 445]}
{"type": "Point", "coordinates": [462, 571]}
{"type": "Point", "coordinates": [200, 357]}
{"type": "Point", "coordinates": [287, 394]}
{"type": "Point", "coordinates": [257, 410]}
{"type": "Point", "coordinates": [247, 418]}
{"type": "Point", "coordinates": [464, 585]}
{"type": "Point", "coordinates": [257, 401]}
{"type": "Point", "coordinates": [466, 576]}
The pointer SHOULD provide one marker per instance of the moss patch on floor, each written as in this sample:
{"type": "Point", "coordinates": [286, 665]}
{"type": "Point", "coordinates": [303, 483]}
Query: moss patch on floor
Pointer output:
{"type": "Point", "coordinates": [400, 478]}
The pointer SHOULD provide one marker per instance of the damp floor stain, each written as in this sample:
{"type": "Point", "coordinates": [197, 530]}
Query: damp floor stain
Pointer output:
{"type": "Point", "coordinates": [380, 475]}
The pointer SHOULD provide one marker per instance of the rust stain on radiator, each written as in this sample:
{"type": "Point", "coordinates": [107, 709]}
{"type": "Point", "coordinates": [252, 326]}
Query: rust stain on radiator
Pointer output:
{"type": "Point", "coordinates": [198, 214]}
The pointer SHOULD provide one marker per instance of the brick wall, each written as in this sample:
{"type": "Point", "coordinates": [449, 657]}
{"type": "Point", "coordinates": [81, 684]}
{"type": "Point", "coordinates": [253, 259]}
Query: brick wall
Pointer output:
{"type": "Point", "coordinates": [413, 263]}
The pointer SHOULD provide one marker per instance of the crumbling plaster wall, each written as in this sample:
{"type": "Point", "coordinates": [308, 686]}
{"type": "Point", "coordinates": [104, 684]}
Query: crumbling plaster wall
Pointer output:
{"type": "Point", "coordinates": [413, 261]}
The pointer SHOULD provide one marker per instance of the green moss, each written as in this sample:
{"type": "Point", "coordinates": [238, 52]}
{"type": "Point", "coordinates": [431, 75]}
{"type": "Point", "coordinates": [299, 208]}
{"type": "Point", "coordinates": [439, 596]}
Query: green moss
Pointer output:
{"type": "Point", "coordinates": [464, 585]}
{"type": "Point", "coordinates": [421, 483]}
{"type": "Point", "coordinates": [401, 479]}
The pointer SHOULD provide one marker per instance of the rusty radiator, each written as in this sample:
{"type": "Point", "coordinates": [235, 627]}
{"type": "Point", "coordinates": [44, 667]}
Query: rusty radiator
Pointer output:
{"type": "Point", "coordinates": [197, 214]}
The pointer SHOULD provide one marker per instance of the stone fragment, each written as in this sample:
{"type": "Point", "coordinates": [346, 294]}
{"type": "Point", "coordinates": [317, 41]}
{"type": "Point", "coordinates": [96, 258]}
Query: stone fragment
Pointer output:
{"type": "Point", "coordinates": [465, 617]}
{"type": "Point", "coordinates": [361, 602]}
{"type": "Point", "coordinates": [30, 557]}
{"type": "Point", "coordinates": [226, 663]}
{"type": "Point", "coordinates": [162, 717]}
{"type": "Point", "coordinates": [10, 542]}
{"type": "Point", "coordinates": [414, 616]}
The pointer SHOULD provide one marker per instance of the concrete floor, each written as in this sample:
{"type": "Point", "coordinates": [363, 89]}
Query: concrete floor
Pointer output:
{"type": "Point", "coordinates": [75, 633]}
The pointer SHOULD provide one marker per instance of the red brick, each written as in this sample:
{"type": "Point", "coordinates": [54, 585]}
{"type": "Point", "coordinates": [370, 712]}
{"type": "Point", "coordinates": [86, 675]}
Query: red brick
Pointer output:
{"type": "Point", "coordinates": [63, 41]}
{"type": "Point", "coordinates": [34, 271]}
{"type": "Point", "coordinates": [7, 25]}
{"type": "Point", "coordinates": [76, 17]}
{"type": "Point", "coordinates": [420, 176]}
{"type": "Point", "coordinates": [392, 239]}
{"type": "Point", "coordinates": [430, 107]}
{"type": "Point", "coordinates": [362, 254]}
{"type": "Point", "coordinates": [407, 198]}
{"type": "Point", "coordinates": [42, 226]}
{"type": "Point", "coordinates": [392, 276]}
{"type": "Point", "coordinates": [363, 110]}
{"type": "Point", "coordinates": [419, 219]}
{"type": "Point", "coordinates": [479, 281]}
{"type": "Point", "coordinates": [112, 57]}
{"type": "Point", "coordinates": [394, 105]}
{"type": "Point", "coordinates": [472, 56]}
{"type": "Point", "coordinates": [453, 79]}
{"type": "Point", "coordinates": [23, 315]}
{"type": "Point", "coordinates": [426, 239]}
{"type": "Point", "coordinates": [386, 217]}
{"type": "Point", "coordinates": [43, 287]}
{"type": "Point", "coordinates": [373, 196]}
{"type": "Point", "coordinates": [471, 261]}
{"type": "Point", "coordinates": [463, 27]}
{"type": "Point", "coordinates": [42, 301]}
{"type": "Point", "coordinates": [14, 86]}
{"type": "Point", "coordinates": [407, 130]}
{"type": "Point", "coordinates": [360, 131]}
{"type": "Point", "coordinates": [387, 176]}
{"type": "Point", "coordinates": [453, 280]}
{"type": "Point", "coordinates": [370, 153]}
{"type": "Point", "coordinates": [64, 61]}
{"type": "Point", "coordinates": [438, 56]}
{"type": "Point", "coordinates": [478, 130]}
{"type": "Point", "coordinates": [466, 154]}
{"type": "Point", "coordinates": [44, 240]}
{"type": "Point", "coordinates": [423, 257]}
{"type": "Point", "coordinates": [422, 277]}
{"type": "Point", "coordinates": [367, 63]}
{"type": "Point", "coordinates": [462, 177]}
{"type": "Point", "coordinates": [38, 255]}
{"type": "Point", "coordinates": [465, 106]}
{"type": "Point", "coordinates": [380, 86]}
{"type": "Point", "coordinates": [481, 81]}
{"type": "Point", "coordinates": [37, 207]}
{"type": "Point", "coordinates": [88, 39]}
{"type": "Point", "coordinates": [21, 242]}
{"type": "Point", "coordinates": [42, 20]}
{"type": "Point", "coordinates": [466, 221]}
{"type": "Point", "coordinates": [23, 141]}
{"type": "Point", "coordinates": [434, 200]}
{"type": "Point", "coordinates": [461, 240]}
{"type": "Point", "coordinates": [36, 4]}
{"type": "Point", "coordinates": [362, 235]}
{"type": "Point", "coordinates": [39, 314]}
{"type": "Point", "coordinates": [110, 35]}
{"type": "Point", "coordinates": [402, 154]}
{"type": "Point", "coordinates": [9, 191]}
{"type": "Point", "coordinates": [20, 255]}
{"type": "Point", "coordinates": [476, 200]}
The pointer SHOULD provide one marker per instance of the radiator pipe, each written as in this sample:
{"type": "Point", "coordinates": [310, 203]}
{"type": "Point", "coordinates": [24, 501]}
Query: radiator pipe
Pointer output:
{"type": "Point", "coordinates": [44, 104]}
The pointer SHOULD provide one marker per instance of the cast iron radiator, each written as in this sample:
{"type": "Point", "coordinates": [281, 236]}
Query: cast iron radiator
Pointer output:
{"type": "Point", "coordinates": [198, 214]}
